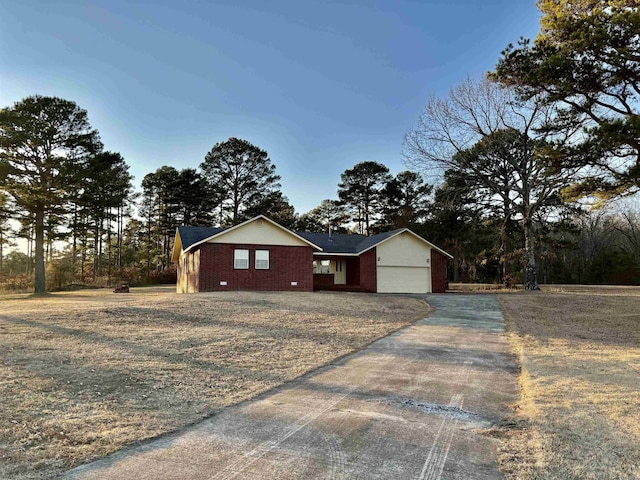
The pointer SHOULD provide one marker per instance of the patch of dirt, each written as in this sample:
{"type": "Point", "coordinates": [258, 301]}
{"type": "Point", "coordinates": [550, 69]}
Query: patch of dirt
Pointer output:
{"type": "Point", "coordinates": [84, 373]}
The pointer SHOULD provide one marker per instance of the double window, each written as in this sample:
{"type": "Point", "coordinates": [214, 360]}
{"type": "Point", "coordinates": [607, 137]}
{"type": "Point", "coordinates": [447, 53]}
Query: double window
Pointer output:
{"type": "Point", "coordinates": [241, 259]}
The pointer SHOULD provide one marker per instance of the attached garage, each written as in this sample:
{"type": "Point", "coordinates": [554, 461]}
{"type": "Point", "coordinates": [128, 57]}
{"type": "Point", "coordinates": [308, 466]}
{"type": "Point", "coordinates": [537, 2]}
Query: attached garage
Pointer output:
{"type": "Point", "coordinates": [404, 280]}
{"type": "Point", "coordinates": [403, 264]}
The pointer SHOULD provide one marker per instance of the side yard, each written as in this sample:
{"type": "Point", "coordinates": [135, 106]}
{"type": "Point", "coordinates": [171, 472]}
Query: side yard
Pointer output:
{"type": "Point", "coordinates": [579, 416]}
{"type": "Point", "coordinates": [82, 374]}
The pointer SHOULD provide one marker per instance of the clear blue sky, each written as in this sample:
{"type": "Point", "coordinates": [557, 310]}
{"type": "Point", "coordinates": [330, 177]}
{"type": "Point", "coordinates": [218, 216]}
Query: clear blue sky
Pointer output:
{"type": "Point", "coordinates": [320, 85]}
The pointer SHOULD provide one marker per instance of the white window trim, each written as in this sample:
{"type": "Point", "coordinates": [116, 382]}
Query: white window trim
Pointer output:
{"type": "Point", "coordinates": [262, 263]}
{"type": "Point", "coordinates": [241, 262]}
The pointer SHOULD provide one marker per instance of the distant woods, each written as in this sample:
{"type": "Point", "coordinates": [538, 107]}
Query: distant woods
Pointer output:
{"type": "Point", "coordinates": [524, 163]}
{"type": "Point", "coordinates": [556, 126]}
{"type": "Point", "coordinates": [72, 204]}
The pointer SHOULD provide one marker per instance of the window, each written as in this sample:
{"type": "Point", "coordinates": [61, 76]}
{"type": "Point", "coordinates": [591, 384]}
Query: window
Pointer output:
{"type": "Point", "coordinates": [186, 264]}
{"type": "Point", "coordinates": [324, 266]}
{"type": "Point", "coordinates": [241, 259]}
{"type": "Point", "coordinates": [262, 259]}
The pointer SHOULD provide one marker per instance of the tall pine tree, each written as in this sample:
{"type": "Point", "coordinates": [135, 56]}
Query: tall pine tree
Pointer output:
{"type": "Point", "coordinates": [242, 174]}
{"type": "Point", "coordinates": [43, 143]}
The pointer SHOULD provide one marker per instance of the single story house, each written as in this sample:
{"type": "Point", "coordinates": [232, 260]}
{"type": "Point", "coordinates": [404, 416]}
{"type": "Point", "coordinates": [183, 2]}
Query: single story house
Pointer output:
{"type": "Point", "coordinates": [260, 254]}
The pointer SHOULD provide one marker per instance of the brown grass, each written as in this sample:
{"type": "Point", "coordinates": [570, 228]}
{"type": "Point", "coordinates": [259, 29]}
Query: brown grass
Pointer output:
{"type": "Point", "coordinates": [83, 374]}
{"type": "Point", "coordinates": [579, 415]}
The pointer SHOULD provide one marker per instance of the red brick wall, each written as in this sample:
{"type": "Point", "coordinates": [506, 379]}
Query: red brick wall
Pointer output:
{"type": "Point", "coordinates": [286, 265]}
{"type": "Point", "coordinates": [438, 272]}
{"type": "Point", "coordinates": [323, 280]}
{"type": "Point", "coordinates": [368, 278]}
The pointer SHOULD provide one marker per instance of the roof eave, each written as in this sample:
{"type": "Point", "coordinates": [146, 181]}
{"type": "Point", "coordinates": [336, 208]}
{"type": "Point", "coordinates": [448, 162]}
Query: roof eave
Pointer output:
{"type": "Point", "coordinates": [313, 245]}
{"type": "Point", "coordinates": [448, 255]}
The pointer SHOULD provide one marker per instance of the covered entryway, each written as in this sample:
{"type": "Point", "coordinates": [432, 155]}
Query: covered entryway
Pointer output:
{"type": "Point", "coordinates": [336, 273]}
{"type": "Point", "coordinates": [404, 279]}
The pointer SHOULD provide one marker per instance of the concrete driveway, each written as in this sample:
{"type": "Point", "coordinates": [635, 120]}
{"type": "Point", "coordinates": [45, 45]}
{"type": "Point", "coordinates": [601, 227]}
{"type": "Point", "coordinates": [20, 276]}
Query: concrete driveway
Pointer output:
{"type": "Point", "coordinates": [412, 405]}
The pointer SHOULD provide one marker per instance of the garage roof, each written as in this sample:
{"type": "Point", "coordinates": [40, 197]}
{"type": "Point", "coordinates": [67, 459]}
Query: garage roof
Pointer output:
{"type": "Point", "coordinates": [355, 244]}
{"type": "Point", "coordinates": [346, 243]}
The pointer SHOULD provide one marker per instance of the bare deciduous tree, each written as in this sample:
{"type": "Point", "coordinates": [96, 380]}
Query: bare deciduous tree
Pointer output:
{"type": "Point", "coordinates": [492, 141]}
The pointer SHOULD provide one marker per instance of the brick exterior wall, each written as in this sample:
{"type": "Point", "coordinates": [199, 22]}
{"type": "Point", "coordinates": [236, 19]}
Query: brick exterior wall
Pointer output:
{"type": "Point", "coordinates": [286, 265]}
{"type": "Point", "coordinates": [438, 272]}
{"type": "Point", "coordinates": [368, 277]}
{"type": "Point", "coordinates": [322, 281]}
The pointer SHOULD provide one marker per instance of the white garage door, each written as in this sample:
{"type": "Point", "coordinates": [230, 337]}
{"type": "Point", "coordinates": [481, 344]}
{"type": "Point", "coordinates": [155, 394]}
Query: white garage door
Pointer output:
{"type": "Point", "coordinates": [404, 279]}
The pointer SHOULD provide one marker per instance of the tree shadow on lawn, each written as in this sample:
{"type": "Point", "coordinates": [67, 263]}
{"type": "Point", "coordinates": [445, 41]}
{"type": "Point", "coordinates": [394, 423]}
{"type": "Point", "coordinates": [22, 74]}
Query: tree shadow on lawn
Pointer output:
{"type": "Point", "coordinates": [603, 320]}
{"type": "Point", "coordinates": [173, 357]}
{"type": "Point", "coordinates": [168, 316]}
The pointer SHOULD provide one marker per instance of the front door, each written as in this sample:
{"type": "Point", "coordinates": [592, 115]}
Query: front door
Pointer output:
{"type": "Point", "coordinates": [340, 275]}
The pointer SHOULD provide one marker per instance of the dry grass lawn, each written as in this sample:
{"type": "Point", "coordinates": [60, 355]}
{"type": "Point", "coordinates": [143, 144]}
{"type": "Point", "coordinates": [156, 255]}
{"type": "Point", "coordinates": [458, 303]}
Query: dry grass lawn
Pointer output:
{"type": "Point", "coordinates": [82, 374]}
{"type": "Point", "coordinates": [579, 416]}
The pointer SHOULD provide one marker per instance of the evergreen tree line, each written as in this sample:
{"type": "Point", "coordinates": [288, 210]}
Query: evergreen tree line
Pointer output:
{"type": "Point", "coordinates": [517, 156]}
{"type": "Point", "coordinates": [98, 230]}
{"type": "Point", "coordinates": [72, 203]}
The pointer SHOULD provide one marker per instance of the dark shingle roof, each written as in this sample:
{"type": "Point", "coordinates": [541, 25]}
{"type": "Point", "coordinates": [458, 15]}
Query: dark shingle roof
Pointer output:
{"type": "Point", "coordinates": [369, 242]}
{"type": "Point", "coordinates": [338, 243]}
{"type": "Point", "coordinates": [345, 242]}
{"type": "Point", "coordinates": [191, 235]}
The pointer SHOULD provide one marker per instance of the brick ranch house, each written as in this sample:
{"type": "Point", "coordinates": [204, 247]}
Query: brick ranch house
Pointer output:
{"type": "Point", "coordinates": [260, 254]}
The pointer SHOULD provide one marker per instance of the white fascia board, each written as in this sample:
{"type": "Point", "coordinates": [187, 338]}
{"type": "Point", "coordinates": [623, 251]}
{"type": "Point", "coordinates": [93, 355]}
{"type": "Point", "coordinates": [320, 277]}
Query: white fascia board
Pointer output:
{"type": "Point", "coordinates": [415, 235]}
{"type": "Point", "coordinates": [313, 245]}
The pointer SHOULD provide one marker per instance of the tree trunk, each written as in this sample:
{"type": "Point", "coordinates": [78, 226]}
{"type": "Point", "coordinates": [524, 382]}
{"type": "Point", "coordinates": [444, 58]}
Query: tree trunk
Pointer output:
{"type": "Point", "coordinates": [366, 217]}
{"type": "Point", "coordinates": [149, 244]}
{"type": "Point", "coordinates": [100, 235]}
{"type": "Point", "coordinates": [109, 224]}
{"type": "Point", "coordinates": [504, 250]}
{"type": "Point", "coordinates": [74, 247]}
{"type": "Point", "coordinates": [531, 273]}
{"type": "Point", "coordinates": [236, 208]}
{"type": "Point", "coordinates": [120, 228]}
{"type": "Point", "coordinates": [83, 256]}
{"type": "Point", "coordinates": [40, 283]}
{"type": "Point", "coordinates": [95, 254]}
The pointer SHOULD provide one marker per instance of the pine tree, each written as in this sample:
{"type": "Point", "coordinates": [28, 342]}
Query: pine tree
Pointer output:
{"type": "Point", "coordinates": [44, 141]}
